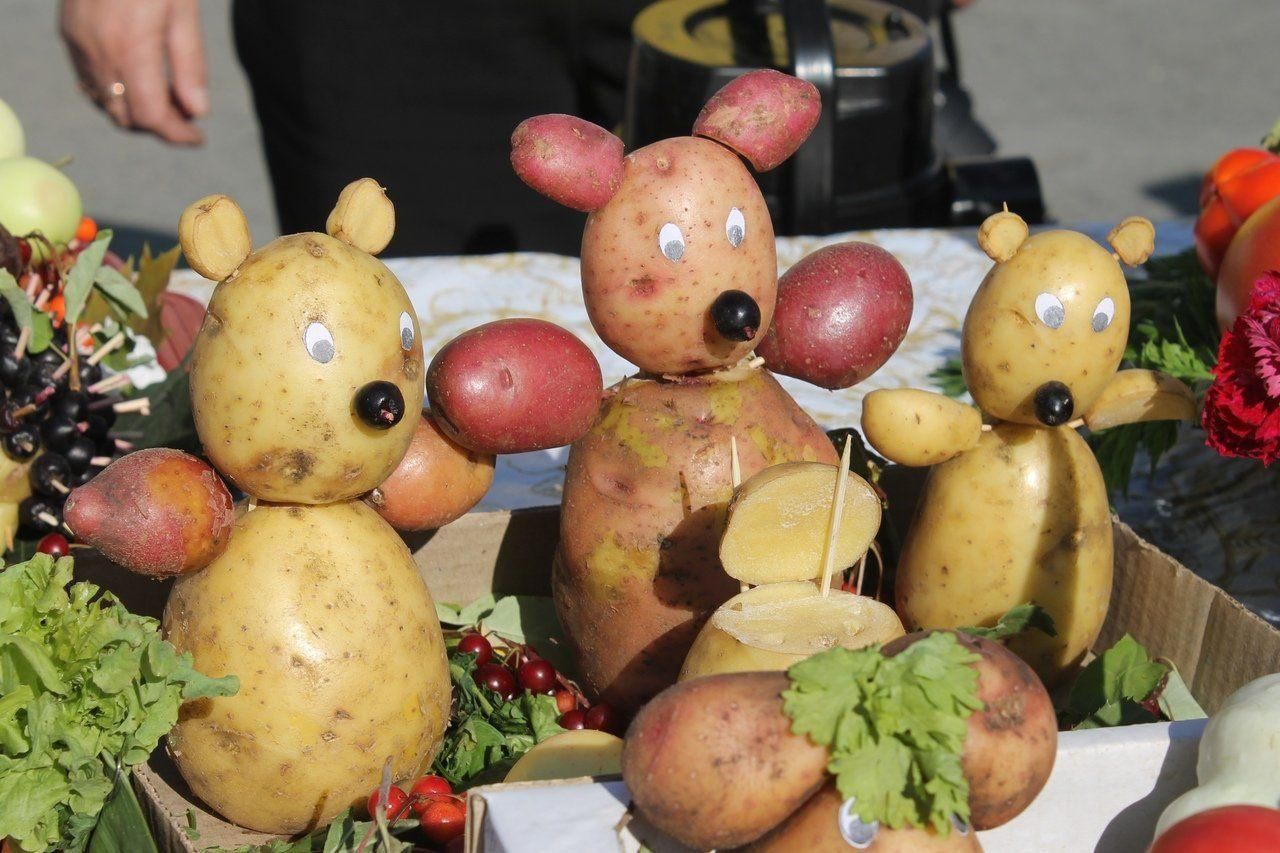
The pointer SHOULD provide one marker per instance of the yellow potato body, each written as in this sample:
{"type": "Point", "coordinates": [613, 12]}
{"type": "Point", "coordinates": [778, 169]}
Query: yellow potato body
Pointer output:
{"type": "Point", "coordinates": [645, 492]}
{"type": "Point", "coordinates": [771, 627]}
{"type": "Point", "coordinates": [918, 428]}
{"type": "Point", "coordinates": [1021, 517]}
{"type": "Point", "coordinates": [651, 309]}
{"type": "Point", "coordinates": [15, 481]}
{"type": "Point", "coordinates": [304, 606]}
{"type": "Point", "coordinates": [568, 755]}
{"type": "Point", "coordinates": [1009, 352]}
{"type": "Point", "coordinates": [273, 418]}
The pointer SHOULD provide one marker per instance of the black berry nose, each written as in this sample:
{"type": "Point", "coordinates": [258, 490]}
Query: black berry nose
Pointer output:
{"type": "Point", "coordinates": [736, 316]}
{"type": "Point", "coordinates": [380, 404]}
{"type": "Point", "coordinates": [1054, 404]}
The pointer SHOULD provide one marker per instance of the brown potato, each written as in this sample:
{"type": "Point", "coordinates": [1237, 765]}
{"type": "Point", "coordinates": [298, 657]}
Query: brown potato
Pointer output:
{"type": "Point", "coordinates": [512, 386]}
{"type": "Point", "coordinates": [842, 311]}
{"type": "Point", "coordinates": [1012, 742]}
{"type": "Point", "coordinates": [819, 826]}
{"type": "Point", "coordinates": [645, 493]}
{"type": "Point", "coordinates": [157, 512]}
{"type": "Point", "coordinates": [437, 482]}
{"type": "Point", "coordinates": [713, 763]}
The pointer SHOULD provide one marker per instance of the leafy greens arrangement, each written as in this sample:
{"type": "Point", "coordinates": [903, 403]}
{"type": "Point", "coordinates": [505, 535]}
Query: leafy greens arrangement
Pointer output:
{"type": "Point", "coordinates": [88, 689]}
{"type": "Point", "coordinates": [895, 727]}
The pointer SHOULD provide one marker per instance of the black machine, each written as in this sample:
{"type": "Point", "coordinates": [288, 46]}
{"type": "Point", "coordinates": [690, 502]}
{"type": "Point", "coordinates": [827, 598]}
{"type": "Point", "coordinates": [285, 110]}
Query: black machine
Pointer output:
{"type": "Point", "coordinates": [896, 144]}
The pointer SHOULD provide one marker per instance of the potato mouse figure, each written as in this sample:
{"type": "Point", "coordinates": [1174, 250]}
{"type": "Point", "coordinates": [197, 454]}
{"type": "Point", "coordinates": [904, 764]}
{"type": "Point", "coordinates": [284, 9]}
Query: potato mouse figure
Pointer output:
{"type": "Point", "coordinates": [1017, 511]}
{"type": "Point", "coordinates": [307, 379]}
{"type": "Point", "coordinates": [679, 276]}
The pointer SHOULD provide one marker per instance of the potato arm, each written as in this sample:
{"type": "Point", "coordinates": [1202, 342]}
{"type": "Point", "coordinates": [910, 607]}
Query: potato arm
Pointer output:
{"type": "Point", "coordinates": [1135, 396]}
{"type": "Point", "coordinates": [919, 428]}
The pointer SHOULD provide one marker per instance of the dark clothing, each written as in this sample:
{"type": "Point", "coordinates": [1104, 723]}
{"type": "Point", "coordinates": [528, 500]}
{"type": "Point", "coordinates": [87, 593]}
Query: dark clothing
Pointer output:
{"type": "Point", "coordinates": [422, 95]}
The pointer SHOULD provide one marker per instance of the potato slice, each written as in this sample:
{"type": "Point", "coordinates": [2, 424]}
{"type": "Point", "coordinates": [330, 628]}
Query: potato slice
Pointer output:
{"type": "Point", "coordinates": [773, 626]}
{"type": "Point", "coordinates": [777, 523]}
{"type": "Point", "coordinates": [581, 752]}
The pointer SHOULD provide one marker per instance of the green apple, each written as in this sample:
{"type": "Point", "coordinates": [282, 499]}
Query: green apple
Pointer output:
{"type": "Point", "coordinates": [12, 141]}
{"type": "Point", "coordinates": [35, 196]}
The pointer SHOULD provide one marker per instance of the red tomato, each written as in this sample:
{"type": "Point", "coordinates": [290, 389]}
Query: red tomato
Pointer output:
{"type": "Point", "coordinates": [496, 678]}
{"type": "Point", "coordinates": [1238, 184]}
{"type": "Point", "coordinates": [443, 820]}
{"type": "Point", "coordinates": [1244, 193]}
{"type": "Point", "coordinates": [1254, 250]}
{"type": "Point", "coordinates": [396, 798]}
{"type": "Point", "coordinates": [1238, 829]}
{"type": "Point", "coordinates": [1213, 233]}
{"type": "Point", "coordinates": [537, 676]}
{"type": "Point", "coordinates": [55, 545]}
{"type": "Point", "coordinates": [604, 718]}
{"type": "Point", "coordinates": [427, 790]}
{"type": "Point", "coordinates": [575, 719]}
{"type": "Point", "coordinates": [476, 644]}
{"type": "Point", "coordinates": [1229, 165]}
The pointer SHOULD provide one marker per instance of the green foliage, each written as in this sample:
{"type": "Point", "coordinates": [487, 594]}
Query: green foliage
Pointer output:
{"type": "Point", "coordinates": [1111, 690]}
{"type": "Point", "coordinates": [1023, 617]}
{"type": "Point", "coordinates": [894, 726]}
{"type": "Point", "coordinates": [86, 687]}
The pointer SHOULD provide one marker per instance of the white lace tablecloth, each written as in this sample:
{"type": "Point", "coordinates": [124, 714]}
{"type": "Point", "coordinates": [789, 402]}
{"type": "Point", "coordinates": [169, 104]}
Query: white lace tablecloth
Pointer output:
{"type": "Point", "coordinates": [453, 294]}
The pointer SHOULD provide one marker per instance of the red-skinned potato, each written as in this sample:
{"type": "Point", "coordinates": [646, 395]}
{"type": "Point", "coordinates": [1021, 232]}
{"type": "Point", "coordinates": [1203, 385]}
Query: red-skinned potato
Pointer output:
{"type": "Point", "coordinates": [764, 115]}
{"type": "Point", "coordinates": [842, 311]}
{"type": "Point", "coordinates": [437, 481]}
{"type": "Point", "coordinates": [1012, 742]}
{"type": "Point", "coordinates": [512, 386]}
{"type": "Point", "coordinates": [157, 512]}
{"type": "Point", "coordinates": [819, 826]}
{"type": "Point", "coordinates": [568, 159]}
{"type": "Point", "coordinates": [713, 763]}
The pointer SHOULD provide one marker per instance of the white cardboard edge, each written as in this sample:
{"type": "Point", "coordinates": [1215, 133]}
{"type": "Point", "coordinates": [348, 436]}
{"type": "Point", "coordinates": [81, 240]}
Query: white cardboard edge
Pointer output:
{"type": "Point", "coordinates": [1106, 791]}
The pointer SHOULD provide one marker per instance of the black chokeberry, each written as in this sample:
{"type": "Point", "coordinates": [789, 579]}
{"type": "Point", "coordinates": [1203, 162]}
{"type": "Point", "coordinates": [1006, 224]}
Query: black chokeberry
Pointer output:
{"type": "Point", "coordinates": [58, 433]}
{"type": "Point", "coordinates": [37, 516]}
{"type": "Point", "coordinates": [80, 452]}
{"type": "Point", "coordinates": [736, 315]}
{"type": "Point", "coordinates": [14, 371]}
{"type": "Point", "coordinates": [72, 405]}
{"type": "Point", "coordinates": [50, 475]}
{"type": "Point", "coordinates": [22, 443]}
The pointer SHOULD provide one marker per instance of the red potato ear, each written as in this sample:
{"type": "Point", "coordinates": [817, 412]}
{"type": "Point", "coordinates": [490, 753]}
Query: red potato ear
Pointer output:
{"type": "Point", "coordinates": [764, 115]}
{"type": "Point", "coordinates": [567, 159]}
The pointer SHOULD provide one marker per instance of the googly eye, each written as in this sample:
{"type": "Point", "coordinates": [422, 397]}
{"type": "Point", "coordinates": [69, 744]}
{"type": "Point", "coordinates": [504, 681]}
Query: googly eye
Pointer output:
{"type": "Point", "coordinates": [735, 228]}
{"type": "Point", "coordinates": [859, 835]}
{"type": "Point", "coordinates": [319, 343]}
{"type": "Point", "coordinates": [671, 241]}
{"type": "Point", "coordinates": [961, 826]}
{"type": "Point", "coordinates": [406, 331]}
{"type": "Point", "coordinates": [1104, 313]}
{"type": "Point", "coordinates": [1050, 311]}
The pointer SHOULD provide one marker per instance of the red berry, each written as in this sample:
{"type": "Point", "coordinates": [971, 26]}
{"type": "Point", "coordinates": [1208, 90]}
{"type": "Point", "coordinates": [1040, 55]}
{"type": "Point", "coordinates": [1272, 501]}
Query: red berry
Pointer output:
{"type": "Point", "coordinates": [565, 701]}
{"type": "Point", "coordinates": [426, 790]}
{"type": "Point", "coordinates": [537, 676]}
{"type": "Point", "coordinates": [55, 545]}
{"type": "Point", "coordinates": [87, 230]}
{"type": "Point", "coordinates": [476, 644]}
{"type": "Point", "coordinates": [603, 718]}
{"type": "Point", "coordinates": [574, 719]}
{"type": "Point", "coordinates": [443, 820]}
{"type": "Point", "coordinates": [396, 798]}
{"type": "Point", "coordinates": [497, 678]}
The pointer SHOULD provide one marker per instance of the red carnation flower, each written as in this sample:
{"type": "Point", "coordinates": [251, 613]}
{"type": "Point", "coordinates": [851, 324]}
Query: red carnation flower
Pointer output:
{"type": "Point", "coordinates": [1242, 407]}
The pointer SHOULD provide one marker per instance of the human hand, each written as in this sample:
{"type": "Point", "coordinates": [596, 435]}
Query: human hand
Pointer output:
{"type": "Point", "coordinates": [142, 62]}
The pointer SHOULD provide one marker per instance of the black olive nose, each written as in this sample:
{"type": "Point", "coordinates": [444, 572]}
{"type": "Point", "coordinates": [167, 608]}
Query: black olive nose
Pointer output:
{"type": "Point", "coordinates": [736, 315]}
{"type": "Point", "coordinates": [380, 404]}
{"type": "Point", "coordinates": [1054, 404]}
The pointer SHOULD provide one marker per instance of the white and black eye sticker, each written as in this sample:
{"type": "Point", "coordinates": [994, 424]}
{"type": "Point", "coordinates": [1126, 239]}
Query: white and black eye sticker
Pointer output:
{"type": "Point", "coordinates": [735, 228]}
{"type": "Point", "coordinates": [1050, 311]}
{"type": "Point", "coordinates": [671, 241]}
{"type": "Point", "coordinates": [406, 331]}
{"type": "Point", "coordinates": [961, 826]}
{"type": "Point", "coordinates": [1103, 314]}
{"type": "Point", "coordinates": [319, 343]}
{"type": "Point", "coordinates": [855, 832]}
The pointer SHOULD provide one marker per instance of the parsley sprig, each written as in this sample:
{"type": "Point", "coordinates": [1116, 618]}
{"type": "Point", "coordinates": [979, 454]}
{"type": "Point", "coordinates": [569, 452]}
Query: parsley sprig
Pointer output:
{"type": "Point", "coordinates": [894, 726]}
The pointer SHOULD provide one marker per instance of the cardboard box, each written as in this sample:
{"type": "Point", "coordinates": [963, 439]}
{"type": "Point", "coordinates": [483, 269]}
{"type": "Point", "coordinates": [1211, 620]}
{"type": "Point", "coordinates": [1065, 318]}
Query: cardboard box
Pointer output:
{"type": "Point", "coordinates": [1215, 642]}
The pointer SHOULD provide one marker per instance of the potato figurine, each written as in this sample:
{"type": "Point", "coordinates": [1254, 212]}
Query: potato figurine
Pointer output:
{"type": "Point", "coordinates": [307, 380]}
{"type": "Point", "coordinates": [679, 276]}
{"type": "Point", "coordinates": [1017, 510]}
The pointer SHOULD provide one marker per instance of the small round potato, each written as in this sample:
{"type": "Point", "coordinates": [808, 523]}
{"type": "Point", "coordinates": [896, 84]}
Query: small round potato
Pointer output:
{"type": "Point", "coordinates": [321, 613]}
{"type": "Point", "coordinates": [687, 224]}
{"type": "Point", "coordinates": [918, 428]}
{"type": "Point", "coordinates": [1057, 311]}
{"type": "Point", "coordinates": [303, 325]}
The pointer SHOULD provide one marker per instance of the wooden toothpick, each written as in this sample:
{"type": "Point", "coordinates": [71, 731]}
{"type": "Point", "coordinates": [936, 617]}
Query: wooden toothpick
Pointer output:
{"type": "Point", "coordinates": [735, 477]}
{"type": "Point", "coordinates": [833, 524]}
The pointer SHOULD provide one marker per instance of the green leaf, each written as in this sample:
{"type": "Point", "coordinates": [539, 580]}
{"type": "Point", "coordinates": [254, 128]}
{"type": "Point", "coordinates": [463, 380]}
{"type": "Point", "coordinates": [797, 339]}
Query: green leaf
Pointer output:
{"type": "Point", "coordinates": [170, 423]}
{"type": "Point", "coordinates": [1110, 690]}
{"type": "Point", "coordinates": [121, 826]}
{"type": "Point", "coordinates": [1176, 701]}
{"type": "Point", "coordinates": [894, 727]}
{"type": "Point", "coordinates": [41, 333]}
{"type": "Point", "coordinates": [1024, 617]}
{"type": "Point", "coordinates": [17, 299]}
{"type": "Point", "coordinates": [949, 378]}
{"type": "Point", "coordinates": [192, 829]}
{"type": "Point", "coordinates": [120, 291]}
{"type": "Point", "coordinates": [79, 281]}
{"type": "Point", "coordinates": [531, 620]}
